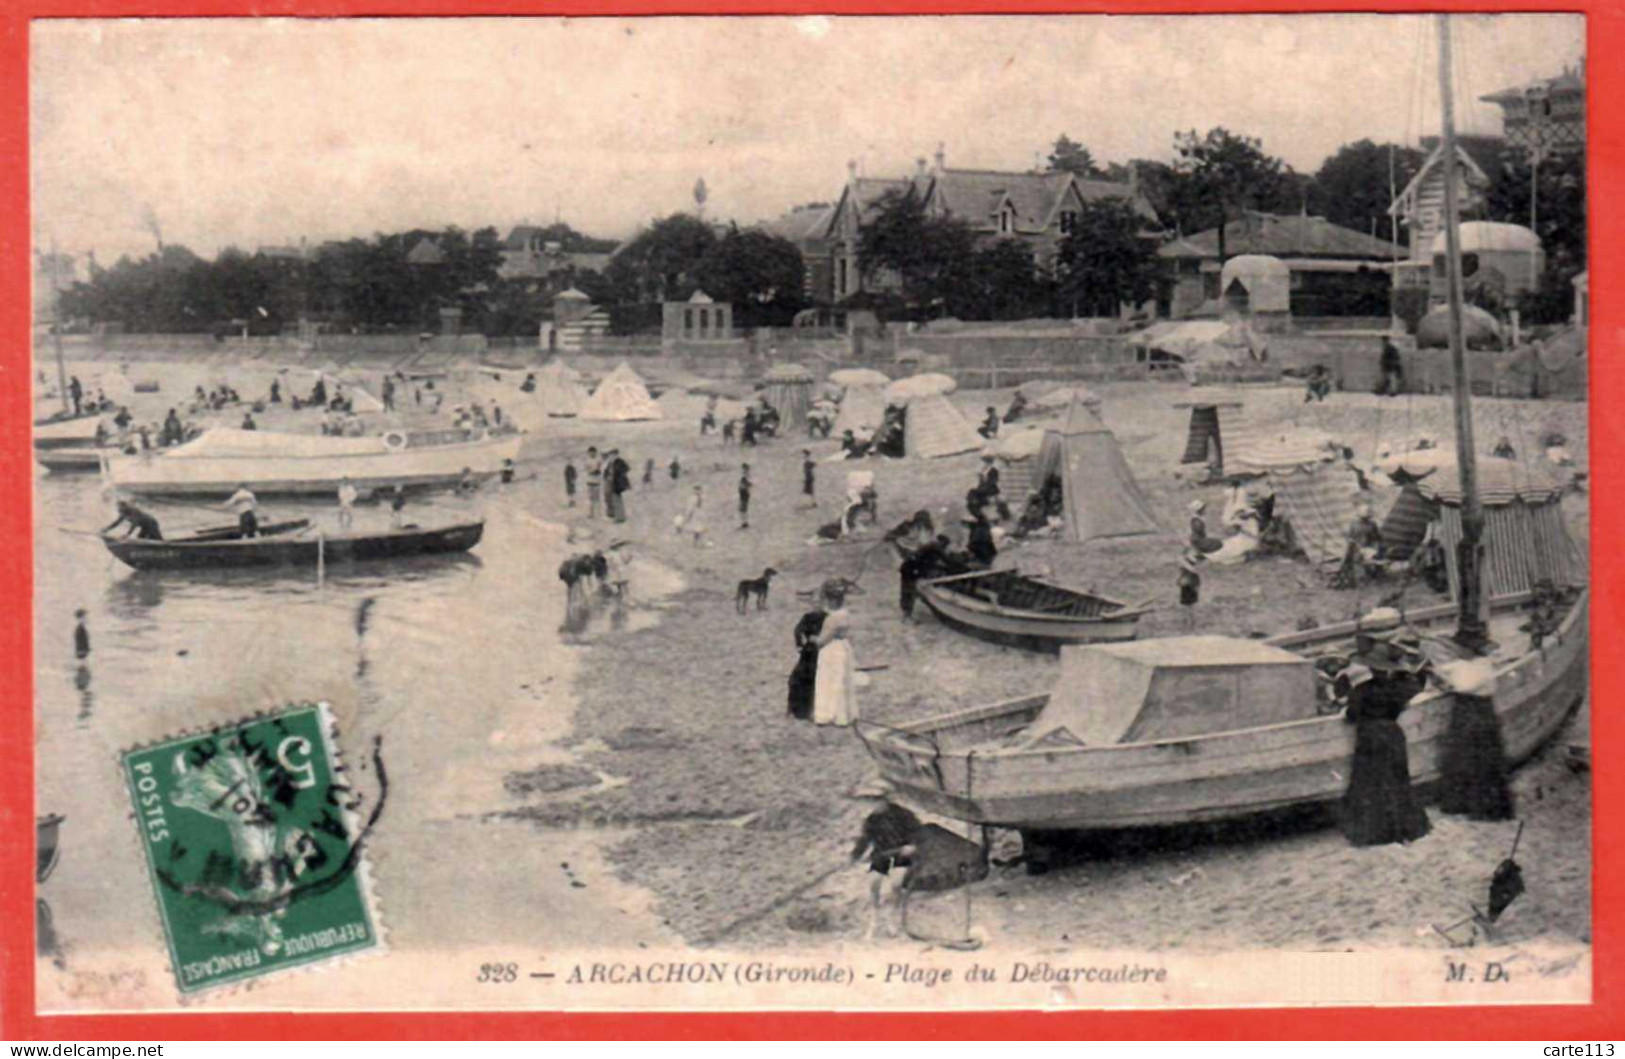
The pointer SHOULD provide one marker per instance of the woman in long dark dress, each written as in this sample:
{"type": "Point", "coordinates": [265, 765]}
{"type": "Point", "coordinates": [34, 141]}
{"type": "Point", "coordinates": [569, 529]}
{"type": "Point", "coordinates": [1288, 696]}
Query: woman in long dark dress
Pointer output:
{"type": "Point", "coordinates": [804, 677]}
{"type": "Point", "coordinates": [1379, 806]}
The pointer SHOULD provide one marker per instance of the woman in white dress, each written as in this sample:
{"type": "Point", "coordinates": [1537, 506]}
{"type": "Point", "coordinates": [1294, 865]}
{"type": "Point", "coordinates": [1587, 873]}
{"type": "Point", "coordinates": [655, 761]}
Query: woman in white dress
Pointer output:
{"type": "Point", "coordinates": [834, 700]}
{"type": "Point", "coordinates": [692, 520]}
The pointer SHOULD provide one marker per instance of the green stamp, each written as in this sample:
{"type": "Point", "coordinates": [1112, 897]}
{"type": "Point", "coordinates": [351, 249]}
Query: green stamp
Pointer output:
{"type": "Point", "coordinates": [256, 846]}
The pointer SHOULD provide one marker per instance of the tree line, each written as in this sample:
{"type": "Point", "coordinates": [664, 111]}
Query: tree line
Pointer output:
{"type": "Point", "coordinates": [940, 265]}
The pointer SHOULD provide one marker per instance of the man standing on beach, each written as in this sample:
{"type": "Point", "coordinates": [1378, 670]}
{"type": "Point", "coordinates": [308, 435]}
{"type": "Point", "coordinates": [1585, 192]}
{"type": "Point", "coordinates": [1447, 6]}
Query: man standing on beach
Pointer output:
{"type": "Point", "coordinates": [620, 482]}
{"type": "Point", "coordinates": [77, 392]}
{"type": "Point", "coordinates": [744, 496]}
{"type": "Point", "coordinates": [808, 482]}
{"type": "Point", "coordinates": [595, 481]}
{"type": "Point", "coordinates": [570, 481]}
{"type": "Point", "coordinates": [389, 394]}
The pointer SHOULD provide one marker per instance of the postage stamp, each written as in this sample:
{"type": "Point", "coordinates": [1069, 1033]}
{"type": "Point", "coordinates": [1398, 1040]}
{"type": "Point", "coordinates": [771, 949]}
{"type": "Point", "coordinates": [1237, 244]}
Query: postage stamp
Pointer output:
{"type": "Point", "coordinates": [255, 847]}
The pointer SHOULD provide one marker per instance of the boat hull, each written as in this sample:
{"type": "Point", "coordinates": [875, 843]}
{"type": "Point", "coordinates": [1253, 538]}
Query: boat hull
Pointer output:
{"type": "Point", "coordinates": [947, 765]}
{"type": "Point", "coordinates": [429, 467]}
{"type": "Point", "coordinates": [290, 551]}
{"type": "Point", "coordinates": [69, 460]}
{"type": "Point", "coordinates": [1026, 628]}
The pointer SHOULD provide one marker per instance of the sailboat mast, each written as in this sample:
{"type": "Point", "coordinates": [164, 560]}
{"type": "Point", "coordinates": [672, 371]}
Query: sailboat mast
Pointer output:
{"type": "Point", "coordinates": [1471, 629]}
{"type": "Point", "coordinates": [51, 265]}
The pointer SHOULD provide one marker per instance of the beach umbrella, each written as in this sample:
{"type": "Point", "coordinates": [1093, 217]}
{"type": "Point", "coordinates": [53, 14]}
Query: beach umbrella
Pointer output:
{"type": "Point", "coordinates": [1063, 397]}
{"type": "Point", "coordinates": [858, 377]}
{"type": "Point", "coordinates": [927, 385]}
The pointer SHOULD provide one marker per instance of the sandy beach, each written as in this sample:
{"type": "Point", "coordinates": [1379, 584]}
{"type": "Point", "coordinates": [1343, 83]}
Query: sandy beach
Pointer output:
{"type": "Point", "coordinates": [646, 788]}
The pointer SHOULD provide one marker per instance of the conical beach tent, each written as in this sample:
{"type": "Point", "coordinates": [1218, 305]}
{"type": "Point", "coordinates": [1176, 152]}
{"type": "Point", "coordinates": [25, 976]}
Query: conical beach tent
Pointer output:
{"type": "Point", "coordinates": [861, 410]}
{"type": "Point", "coordinates": [788, 390]}
{"type": "Point", "coordinates": [621, 396]}
{"type": "Point", "coordinates": [933, 427]}
{"type": "Point", "coordinates": [1100, 497]}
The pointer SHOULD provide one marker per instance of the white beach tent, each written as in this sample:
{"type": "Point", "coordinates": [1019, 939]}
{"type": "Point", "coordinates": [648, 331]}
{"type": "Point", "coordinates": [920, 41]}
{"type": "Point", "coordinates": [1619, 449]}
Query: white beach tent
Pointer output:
{"type": "Point", "coordinates": [621, 397]}
{"type": "Point", "coordinates": [861, 410]}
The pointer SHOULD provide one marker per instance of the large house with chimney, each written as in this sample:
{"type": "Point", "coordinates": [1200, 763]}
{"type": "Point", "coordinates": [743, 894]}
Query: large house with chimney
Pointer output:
{"type": "Point", "coordinates": [1036, 208]}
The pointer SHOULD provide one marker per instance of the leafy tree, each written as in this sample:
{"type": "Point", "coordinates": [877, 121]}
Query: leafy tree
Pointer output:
{"type": "Point", "coordinates": [1355, 184]}
{"type": "Point", "coordinates": [1227, 173]}
{"type": "Point", "coordinates": [931, 256]}
{"type": "Point", "coordinates": [1001, 283]}
{"type": "Point", "coordinates": [762, 275]}
{"type": "Point", "coordinates": [1559, 188]}
{"type": "Point", "coordinates": [1067, 156]}
{"type": "Point", "coordinates": [661, 263]}
{"type": "Point", "coordinates": [1104, 262]}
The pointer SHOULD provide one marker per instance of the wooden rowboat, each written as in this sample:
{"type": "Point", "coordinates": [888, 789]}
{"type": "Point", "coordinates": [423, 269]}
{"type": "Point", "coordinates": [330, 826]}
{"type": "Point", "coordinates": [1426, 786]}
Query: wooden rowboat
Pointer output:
{"type": "Point", "coordinates": [70, 460]}
{"type": "Point", "coordinates": [988, 764]}
{"type": "Point", "coordinates": [290, 544]}
{"type": "Point", "coordinates": [1020, 610]}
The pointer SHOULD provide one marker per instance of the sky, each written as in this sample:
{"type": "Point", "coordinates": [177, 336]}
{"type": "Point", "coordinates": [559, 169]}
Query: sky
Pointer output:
{"type": "Point", "coordinates": [239, 132]}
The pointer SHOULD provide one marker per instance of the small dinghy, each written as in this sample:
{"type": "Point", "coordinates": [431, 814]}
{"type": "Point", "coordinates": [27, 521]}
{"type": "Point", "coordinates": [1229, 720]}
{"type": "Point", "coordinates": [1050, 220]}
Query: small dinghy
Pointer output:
{"type": "Point", "coordinates": [1020, 610]}
{"type": "Point", "coordinates": [285, 544]}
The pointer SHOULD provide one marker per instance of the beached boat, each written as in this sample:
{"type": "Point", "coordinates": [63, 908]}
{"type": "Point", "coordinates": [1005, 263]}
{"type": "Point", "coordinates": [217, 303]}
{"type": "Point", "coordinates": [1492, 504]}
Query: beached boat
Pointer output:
{"type": "Point", "coordinates": [1147, 733]}
{"type": "Point", "coordinates": [1020, 610]}
{"type": "Point", "coordinates": [70, 460]}
{"type": "Point", "coordinates": [272, 464]}
{"type": "Point", "coordinates": [67, 431]}
{"type": "Point", "coordinates": [292, 544]}
{"type": "Point", "coordinates": [1197, 729]}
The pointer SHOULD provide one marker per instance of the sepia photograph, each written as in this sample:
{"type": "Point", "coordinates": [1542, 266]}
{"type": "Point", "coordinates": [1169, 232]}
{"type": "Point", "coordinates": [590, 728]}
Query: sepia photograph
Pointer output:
{"type": "Point", "coordinates": [931, 513]}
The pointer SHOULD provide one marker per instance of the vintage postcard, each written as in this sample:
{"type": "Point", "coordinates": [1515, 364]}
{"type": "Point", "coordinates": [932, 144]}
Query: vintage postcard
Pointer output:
{"type": "Point", "coordinates": [719, 513]}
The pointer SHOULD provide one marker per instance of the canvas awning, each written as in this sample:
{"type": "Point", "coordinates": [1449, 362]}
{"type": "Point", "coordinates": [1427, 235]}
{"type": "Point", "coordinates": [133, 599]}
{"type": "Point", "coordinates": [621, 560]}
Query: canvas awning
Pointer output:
{"type": "Point", "coordinates": [1173, 688]}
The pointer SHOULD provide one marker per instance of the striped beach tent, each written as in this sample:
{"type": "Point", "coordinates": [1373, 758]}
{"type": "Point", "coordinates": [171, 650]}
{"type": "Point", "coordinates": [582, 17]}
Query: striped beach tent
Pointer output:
{"type": "Point", "coordinates": [788, 389]}
{"type": "Point", "coordinates": [1218, 422]}
{"type": "Point", "coordinates": [1017, 456]}
{"type": "Point", "coordinates": [1314, 489]}
{"type": "Point", "coordinates": [1526, 539]}
{"type": "Point", "coordinates": [934, 427]}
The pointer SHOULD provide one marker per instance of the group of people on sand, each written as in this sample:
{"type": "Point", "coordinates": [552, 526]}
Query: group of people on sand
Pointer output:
{"type": "Point", "coordinates": [760, 420]}
{"type": "Point", "coordinates": [823, 685]}
{"type": "Point", "coordinates": [1373, 687]}
{"type": "Point", "coordinates": [607, 570]}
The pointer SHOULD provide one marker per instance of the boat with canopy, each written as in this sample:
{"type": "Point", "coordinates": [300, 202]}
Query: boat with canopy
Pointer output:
{"type": "Point", "coordinates": [1206, 728]}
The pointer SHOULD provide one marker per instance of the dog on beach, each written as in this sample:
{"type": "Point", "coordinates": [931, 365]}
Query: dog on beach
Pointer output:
{"type": "Point", "coordinates": [754, 586]}
{"type": "Point", "coordinates": [932, 859]}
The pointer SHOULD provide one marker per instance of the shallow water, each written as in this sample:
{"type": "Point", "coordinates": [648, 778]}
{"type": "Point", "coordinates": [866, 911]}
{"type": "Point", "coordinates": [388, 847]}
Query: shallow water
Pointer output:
{"type": "Point", "coordinates": [458, 664]}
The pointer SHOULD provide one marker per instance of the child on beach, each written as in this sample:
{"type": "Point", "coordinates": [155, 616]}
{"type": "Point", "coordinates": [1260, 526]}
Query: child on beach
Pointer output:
{"type": "Point", "coordinates": [570, 481]}
{"type": "Point", "coordinates": [744, 496]}
{"type": "Point", "coordinates": [649, 471]}
{"type": "Point", "coordinates": [676, 469]}
{"type": "Point", "coordinates": [595, 481]}
{"type": "Point", "coordinates": [1190, 585]}
{"type": "Point", "coordinates": [691, 520]}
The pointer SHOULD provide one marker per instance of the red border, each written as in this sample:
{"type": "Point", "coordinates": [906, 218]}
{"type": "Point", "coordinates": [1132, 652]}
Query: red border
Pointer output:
{"type": "Point", "coordinates": [1599, 1021]}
